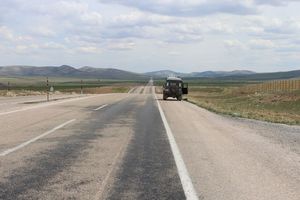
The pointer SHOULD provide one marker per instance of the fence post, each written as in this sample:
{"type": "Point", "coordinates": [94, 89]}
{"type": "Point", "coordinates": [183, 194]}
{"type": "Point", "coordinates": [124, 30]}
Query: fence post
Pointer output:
{"type": "Point", "coordinates": [81, 87]}
{"type": "Point", "coordinates": [8, 88]}
{"type": "Point", "coordinates": [47, 89]}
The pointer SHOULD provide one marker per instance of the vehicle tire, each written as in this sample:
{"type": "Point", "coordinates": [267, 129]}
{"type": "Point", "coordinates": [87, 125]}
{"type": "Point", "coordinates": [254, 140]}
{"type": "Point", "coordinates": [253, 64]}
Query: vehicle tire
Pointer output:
{"type": "Point", "coordinates": [165, 97]}
{"type": "Point", "coordinates": [179, 98]}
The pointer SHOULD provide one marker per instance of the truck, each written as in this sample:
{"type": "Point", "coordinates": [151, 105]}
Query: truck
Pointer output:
{"type": "Point", "coordinates": [175, 88]}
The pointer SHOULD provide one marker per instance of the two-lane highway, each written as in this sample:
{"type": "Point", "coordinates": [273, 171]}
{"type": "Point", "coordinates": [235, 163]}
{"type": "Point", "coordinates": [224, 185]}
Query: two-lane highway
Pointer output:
{"type": "Point", "coordinates": [137, 146]}
{"type": "Point", "coordinates": [107, 146]}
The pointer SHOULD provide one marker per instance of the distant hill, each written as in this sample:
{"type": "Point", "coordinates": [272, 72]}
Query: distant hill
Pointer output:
{"type": "Point", "coordinates": [164, 73]}
{"type": "Point", "coordinates": [112, 73]}
{"type": "Point", "coordinates": [68, 71]}
{"type": "Point", "coordinates": [229, 75]}
{"type": "Point", "coordinates": [268, 76]}
{"type": "Point", "coordinates": [215, 74]}
{"type": "Point", "coordinates": [205, 74]}
{"type": "Point", "coordinates": [63, 70]}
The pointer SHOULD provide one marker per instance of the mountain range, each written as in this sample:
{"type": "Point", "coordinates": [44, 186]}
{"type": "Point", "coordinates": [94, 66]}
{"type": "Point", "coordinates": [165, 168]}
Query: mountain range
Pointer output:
{"type": "Point", "coordinates": [205, 74]}
{"type": "Point", "coordinates": [68, 71]}
{"type": "Point", "coordinates": [113, 73]}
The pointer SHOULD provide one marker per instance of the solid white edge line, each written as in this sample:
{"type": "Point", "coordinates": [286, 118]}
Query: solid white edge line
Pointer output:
{"type": "Point", "coordinates": [8, 151]}
{"type": "Point", "coordinates": [103, 106]}
{"type": "Point", "coordinates": [186, 181]}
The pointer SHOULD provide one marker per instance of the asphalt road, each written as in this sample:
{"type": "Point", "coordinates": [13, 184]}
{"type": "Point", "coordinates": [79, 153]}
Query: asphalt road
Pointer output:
{"type": "Point", "coordinates": [230, 158]}
{"type": "Point", "coordinates": [126, 146]}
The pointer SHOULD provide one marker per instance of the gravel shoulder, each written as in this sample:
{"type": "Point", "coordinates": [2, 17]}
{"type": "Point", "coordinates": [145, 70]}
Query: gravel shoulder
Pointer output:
{"type": "Point", "coordinates": [231, 158]}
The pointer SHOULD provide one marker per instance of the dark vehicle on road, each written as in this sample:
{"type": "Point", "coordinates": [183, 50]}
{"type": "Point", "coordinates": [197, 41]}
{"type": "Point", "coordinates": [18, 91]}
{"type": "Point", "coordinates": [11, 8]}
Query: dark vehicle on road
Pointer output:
{"type": "Point", "coordinates": [174, 87]}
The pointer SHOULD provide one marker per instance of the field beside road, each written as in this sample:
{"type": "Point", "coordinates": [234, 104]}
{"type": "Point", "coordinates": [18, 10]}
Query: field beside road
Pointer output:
{"type": "Point", "coordinates": [232, 97]}
{"type": "Point", "coordinates": [279, 107]}
{"type": "Point", "coordinates": [23, 86]}
{"type": "Point", "coordinates": [241, 99]}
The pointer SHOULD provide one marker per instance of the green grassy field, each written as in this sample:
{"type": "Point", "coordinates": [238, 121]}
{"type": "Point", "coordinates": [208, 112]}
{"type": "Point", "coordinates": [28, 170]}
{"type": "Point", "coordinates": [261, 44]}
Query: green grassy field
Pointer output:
{"type": "Point", "coordinates": [227, 97]}
{"type": "Point", "coordinates": [221, 96]}
{"type": "Point", "coordinates": [36, 85]}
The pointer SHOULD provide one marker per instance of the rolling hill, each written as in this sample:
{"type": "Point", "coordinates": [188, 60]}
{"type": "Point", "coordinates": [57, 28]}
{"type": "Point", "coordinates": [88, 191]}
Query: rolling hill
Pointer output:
{"type": "Point", "coordinates": [164, 73]}
{"type": "Point", "coordinates": [229, 75]}
{"type": "Point", "coordinates": [68, 71]}
{"type": "Point", "coordinates": [112, 73]}
{"type": "Point", "coordinates": [205, 74]}
{"type": "Point", "coordinates": [267, 76]}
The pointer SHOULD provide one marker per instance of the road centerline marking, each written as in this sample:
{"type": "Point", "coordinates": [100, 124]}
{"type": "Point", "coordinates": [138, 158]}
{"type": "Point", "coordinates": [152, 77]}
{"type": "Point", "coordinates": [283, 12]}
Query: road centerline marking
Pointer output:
{"type": "Point", "coordinates": [99, 108]}
{"type": "Point", "coordinates": [186, 181]}
{"type": "Point", "coordinates": [24, 144]}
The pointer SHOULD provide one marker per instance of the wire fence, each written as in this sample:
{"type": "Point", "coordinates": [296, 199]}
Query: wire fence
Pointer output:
{"type": "Point", "coordinates": [273, 86]}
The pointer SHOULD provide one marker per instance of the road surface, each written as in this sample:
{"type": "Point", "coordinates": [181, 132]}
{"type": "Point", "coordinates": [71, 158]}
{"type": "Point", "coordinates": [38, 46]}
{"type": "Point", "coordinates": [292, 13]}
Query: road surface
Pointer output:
{"type": "Point", "coordinates": [136, 146]}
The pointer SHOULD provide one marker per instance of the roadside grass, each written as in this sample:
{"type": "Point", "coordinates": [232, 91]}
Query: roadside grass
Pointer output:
{"type": "Point", "coordinates": [102, 90]}
{"type": "Point", "coordinates": [278, 107]}
{"type": "Point", "coordinates": [228, 97]}
{"type": "Point", "coordinates": [22, 86]}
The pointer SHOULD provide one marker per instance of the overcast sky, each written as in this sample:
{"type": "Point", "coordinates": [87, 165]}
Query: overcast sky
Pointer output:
{"type": "Point", "coordinates": [148, 35]}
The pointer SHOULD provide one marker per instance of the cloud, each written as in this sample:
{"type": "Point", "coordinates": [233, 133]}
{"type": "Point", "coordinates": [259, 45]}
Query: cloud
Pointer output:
{"type": "Point", "coordinates": [189, 8]}
{"type": "Point", "coordinates": [27, 49]}
{"type": "Point", "coordinates": [174, 53]}
{"type": "Point", "coordinates": [120, 45]}
{"type": "Point", "coordinates": [289, 48]}
{"type": "Point", "coordinates": [8, 35]}
{"type": "Point", "coordinates": [199, 29]}
{"type": "Point", "coordinates": [88, 49]}
{"type": "Point", "coordinates": [163, 28]}
{"type": "Point", "coordinates": [261, 44]}
{"type": "Point", "coordinates": [254, 44]}
{"type": "Point", "coordinates": [274, 2]}
{"type": "Point", "coordinates": [53, 46]}
{"type": "Point", "coordinates": [234, 44]}
{"type": "Point", "coordinates": [43, 31]}
{"type": "Point", "coordinates": [270, 28]}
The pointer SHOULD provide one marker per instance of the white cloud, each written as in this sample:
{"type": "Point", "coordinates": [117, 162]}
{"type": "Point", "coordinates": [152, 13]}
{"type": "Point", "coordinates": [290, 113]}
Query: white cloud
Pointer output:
{"type": "Point", "coordinates": [236, 44]}
{"type": "Point", "coordinates": [256, 44]}
{"type": "Point", "coordinates": [174, 53]}
{"type": "Point", "coordinates": [164, 28]}
{"type": "Point", "coordinates": [261, 44]}
{"type": "Point", "coordinates": [274, 2]}
{"type": "Point", "coordinates": [88, 49]}
{"type": "Point", "coordinates": [6, 33]}
{"type": "Point", "coordinates": [26, 49]}
{"type": "Point", "coordinates": [120, 45]}
{"type": "Point", "coordinates": [289, 48]}
{"type": "Point", "coordinates": [199, 29]}
{"type": "Point", "coordinates": [9, 35]}
{"type": "Point", "coordinates": [43, 31]}
{"type": "Point", "coordinates": [53, 45]}
{"type": "Point", "coordinates": [265, 25]}
{"type": "Point", "coordinates": [190, 7]}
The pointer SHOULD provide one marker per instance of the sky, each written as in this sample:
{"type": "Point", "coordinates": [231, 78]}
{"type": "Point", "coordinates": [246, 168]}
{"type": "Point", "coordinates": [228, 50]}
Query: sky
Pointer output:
{"type": "Point", "coordinates": [150, 35]}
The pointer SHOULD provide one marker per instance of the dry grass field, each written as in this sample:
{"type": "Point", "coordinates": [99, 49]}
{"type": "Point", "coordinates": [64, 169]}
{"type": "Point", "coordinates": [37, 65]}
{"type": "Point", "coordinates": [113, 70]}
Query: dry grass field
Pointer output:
{"type": "Point", "coordinates": [273, 106]}
{"type": "Point", "coordinates": [22, 86]}
{"type": "Point", "coordinates": [273, 101]}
